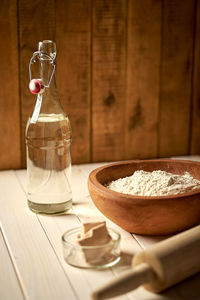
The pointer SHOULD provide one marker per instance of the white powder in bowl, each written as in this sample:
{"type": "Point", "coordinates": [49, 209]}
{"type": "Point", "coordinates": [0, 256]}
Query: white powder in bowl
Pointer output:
{"type": "Point", "coordinates": [156, 183]}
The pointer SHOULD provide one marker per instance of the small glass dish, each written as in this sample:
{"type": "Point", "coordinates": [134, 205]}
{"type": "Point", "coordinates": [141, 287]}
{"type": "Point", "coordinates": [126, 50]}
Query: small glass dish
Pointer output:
{"type": "Point", "coordinates": [90, 257]}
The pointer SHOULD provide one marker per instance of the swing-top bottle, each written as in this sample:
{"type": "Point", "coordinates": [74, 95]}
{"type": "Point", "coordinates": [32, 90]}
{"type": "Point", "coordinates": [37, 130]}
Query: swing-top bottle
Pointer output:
{"type": "Point", "coordinates": [48, 140]}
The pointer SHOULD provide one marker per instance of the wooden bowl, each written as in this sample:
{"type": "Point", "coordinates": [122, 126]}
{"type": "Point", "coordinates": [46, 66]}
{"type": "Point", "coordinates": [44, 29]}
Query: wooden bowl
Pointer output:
{"type": "Point", "coordinates": [147, 215]}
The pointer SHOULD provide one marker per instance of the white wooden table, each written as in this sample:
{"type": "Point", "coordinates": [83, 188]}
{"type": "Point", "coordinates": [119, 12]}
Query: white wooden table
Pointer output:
{"type": "Point", "coordinates": [31, 258]}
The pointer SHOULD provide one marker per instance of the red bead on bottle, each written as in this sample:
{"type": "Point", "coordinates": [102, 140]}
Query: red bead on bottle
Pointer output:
{"type": "Point", "coordinates": [36, 86]}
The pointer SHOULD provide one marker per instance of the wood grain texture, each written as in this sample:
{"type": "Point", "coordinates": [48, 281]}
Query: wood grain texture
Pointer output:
{"type": "Point", "coordinates": [127, 75]}
{"type": "Point", "coordinates": [195, 114]}
{"type": "Point", "coordinates": [109, 79]}
{"type": "Point", "coordinates": [36, 23]}
{"type": "Point", "coordinates": [73, 43]}
{"type": "Point", "coordinates": [32, 253]}
{"type": "Point", "coordinates": [144, 38]}
{"type": "Point", "coordinates": [175, 83]}
{"type": "Point", "coordinates": [9, 287]}
{"type": "Point", "coordinates": [9, 92]}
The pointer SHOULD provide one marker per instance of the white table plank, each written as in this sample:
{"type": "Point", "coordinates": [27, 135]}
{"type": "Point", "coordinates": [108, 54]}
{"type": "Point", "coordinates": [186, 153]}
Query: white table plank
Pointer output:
{"type": "Point", "coordinates": [41, 272]}
{"type": "Point", "coordinates": [9, 283]}
{"type": "Point", "coordinates": [146, 241]}
{"type": "Point", "coordinates": [54, 228]}
{"type": "Point", "coordinates": [84, 282]}
{"type": "Point", "coordinates": [85, 210]}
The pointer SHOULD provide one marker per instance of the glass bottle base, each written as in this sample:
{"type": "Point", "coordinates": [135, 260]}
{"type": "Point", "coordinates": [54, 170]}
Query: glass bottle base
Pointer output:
{"type": "Point", "coordinates": [55, 208]}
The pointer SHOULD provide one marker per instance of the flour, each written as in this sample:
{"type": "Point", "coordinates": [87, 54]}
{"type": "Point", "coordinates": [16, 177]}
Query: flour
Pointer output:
{"type": "Point", "coordinates": [156, 183]}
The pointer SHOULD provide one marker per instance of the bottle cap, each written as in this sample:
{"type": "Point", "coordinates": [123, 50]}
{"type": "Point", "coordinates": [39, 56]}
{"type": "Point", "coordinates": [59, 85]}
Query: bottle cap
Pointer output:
{"type": "Point", "coordinates": [48, 47]}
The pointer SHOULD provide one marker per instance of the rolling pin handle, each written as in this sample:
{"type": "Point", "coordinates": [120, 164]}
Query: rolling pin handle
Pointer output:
{"type": "Point", "coordinates": [125, 283]}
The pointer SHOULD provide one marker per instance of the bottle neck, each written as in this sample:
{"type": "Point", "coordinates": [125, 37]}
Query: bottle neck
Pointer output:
{"type": "Point", "coordinates": [50, 98]}
{"type": "Point", "coordinates": [46, 70]}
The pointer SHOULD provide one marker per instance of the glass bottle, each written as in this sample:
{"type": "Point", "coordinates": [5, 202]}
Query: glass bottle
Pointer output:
{"type": "Point", "coordinates": [48, 143]}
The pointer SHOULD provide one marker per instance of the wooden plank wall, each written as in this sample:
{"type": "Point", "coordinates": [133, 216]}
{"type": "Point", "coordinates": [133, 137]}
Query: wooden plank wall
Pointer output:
{"type": "Point", "coordinates": [127, 74]}
{"type": "Point", "coordinates": [10, 156]}
{"type": "Point", "coordinates": [176, 77]}
{"type": "Point", "coordinates": [143, 78]}
{"type": "Point", "coordinates": [73, 39]}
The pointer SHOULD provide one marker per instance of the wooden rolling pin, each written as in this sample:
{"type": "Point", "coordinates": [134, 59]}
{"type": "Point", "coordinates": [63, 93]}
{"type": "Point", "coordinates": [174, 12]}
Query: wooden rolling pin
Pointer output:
{"type": "Point", "coordinates": [158, 267]}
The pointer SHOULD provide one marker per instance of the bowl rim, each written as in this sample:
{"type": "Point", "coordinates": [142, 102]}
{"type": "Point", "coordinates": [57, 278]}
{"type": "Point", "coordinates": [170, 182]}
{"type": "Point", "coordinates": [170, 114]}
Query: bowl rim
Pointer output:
{"type": "Point", "coordinates": [92, 179]}
{"type": "Point", "coordinates": [77, 229]}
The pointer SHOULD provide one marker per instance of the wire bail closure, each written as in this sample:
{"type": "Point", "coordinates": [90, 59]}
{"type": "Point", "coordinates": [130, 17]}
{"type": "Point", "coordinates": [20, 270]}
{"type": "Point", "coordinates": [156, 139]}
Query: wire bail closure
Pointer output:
{"type": "Point", "coordinates": [36, 86]}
